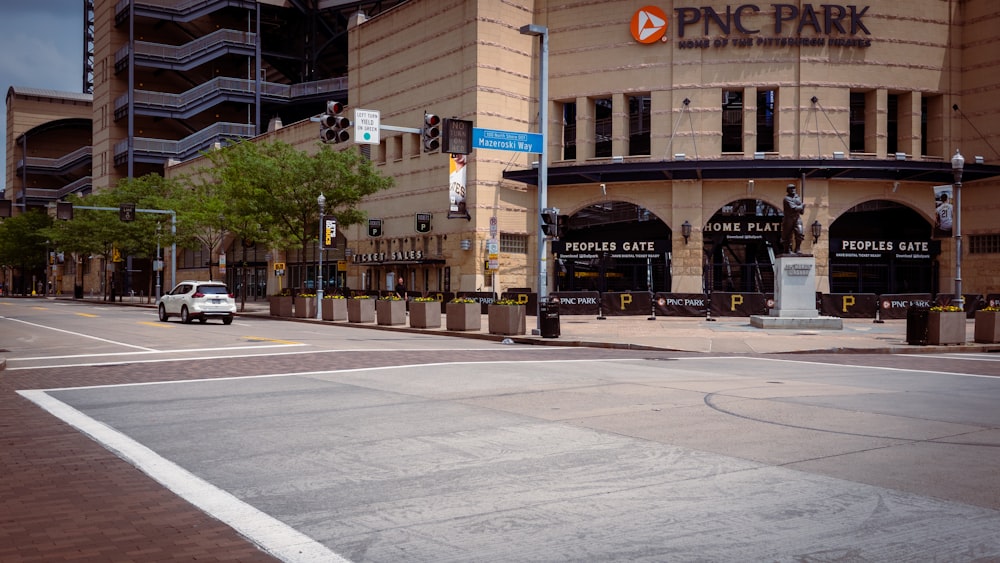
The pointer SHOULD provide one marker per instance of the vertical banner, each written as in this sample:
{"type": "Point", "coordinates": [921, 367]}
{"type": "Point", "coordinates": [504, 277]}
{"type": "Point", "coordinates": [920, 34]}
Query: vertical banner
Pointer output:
{"type": "Point", "coordinates": [456, 187]}
{"type": "Point", "coordinates": [943, 210]}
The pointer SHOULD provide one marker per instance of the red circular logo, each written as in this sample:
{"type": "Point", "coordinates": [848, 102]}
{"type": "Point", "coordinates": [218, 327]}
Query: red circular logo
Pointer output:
{"type": "Point", "coordinates": [649, 24]}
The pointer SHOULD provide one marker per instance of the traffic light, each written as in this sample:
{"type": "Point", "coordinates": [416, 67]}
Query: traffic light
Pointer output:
{"type": "Point", "coordinates": [333, 127]}
{"type": "Point", "coordinates": [64, 210]}
{"type": "Point", "coordinates": [431, 132]}
{"type": "Point", "coordinates": [550, 221]}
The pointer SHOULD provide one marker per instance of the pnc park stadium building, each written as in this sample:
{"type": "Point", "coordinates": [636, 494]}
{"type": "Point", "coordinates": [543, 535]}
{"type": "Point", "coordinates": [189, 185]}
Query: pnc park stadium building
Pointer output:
{"type": "Point", "coordinates": [660, 138]}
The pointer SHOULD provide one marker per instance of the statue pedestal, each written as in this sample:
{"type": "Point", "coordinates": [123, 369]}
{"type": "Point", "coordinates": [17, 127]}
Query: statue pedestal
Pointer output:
{"type": "Point", "coordinates": [795, 297]}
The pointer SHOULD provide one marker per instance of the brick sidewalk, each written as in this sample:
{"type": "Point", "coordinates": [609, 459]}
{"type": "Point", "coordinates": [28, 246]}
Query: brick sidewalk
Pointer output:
{"type": "Point", "coordinates": [65, 498]}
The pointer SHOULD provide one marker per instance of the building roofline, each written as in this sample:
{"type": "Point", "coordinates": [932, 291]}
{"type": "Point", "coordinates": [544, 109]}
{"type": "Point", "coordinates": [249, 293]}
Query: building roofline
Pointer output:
{"type": "Point", "coordinates": [931, 172]}
{"type": "Point", "coordinates": [46, 93]}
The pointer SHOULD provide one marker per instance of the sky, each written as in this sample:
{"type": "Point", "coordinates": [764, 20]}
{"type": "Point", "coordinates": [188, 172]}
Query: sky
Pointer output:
{"type": "Point", "coordinates": [41, 46]}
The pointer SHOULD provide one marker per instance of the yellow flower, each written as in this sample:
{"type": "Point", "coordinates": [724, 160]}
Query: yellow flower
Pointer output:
{"type": "Point", "coordinates": [946, 308]}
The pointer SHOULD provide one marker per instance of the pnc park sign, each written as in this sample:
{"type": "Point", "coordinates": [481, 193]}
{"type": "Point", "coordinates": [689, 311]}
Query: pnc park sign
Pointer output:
{"type": "Point", "coordinates": [749, 25]}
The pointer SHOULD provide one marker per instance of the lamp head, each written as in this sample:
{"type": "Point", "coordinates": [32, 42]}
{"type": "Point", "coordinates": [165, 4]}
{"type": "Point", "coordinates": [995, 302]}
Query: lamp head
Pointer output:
{"type": "Point", "coordinates": [957, 161]}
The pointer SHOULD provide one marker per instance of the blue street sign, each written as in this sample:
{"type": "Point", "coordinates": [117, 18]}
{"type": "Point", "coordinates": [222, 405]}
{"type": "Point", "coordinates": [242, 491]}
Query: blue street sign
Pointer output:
{"type": "Point", "coordinates": [506, 140]}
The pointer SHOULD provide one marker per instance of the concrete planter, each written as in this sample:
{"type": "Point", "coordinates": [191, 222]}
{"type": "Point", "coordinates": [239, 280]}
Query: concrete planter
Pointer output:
{"type": "Point", "coordinates": [281, 305]}
{"type": "Point", "coordinates": [987, 327]}
{"type": "Point", "coordinates": [334, 310]}
{"type": "Point", "coordinates": [946, 327]}
{"type": "Point", "coordinates": [390, 313]}
{"type": "Point", "coordinates": [506, 319]}
{"type": "Point", "coordinates": [463, 316]}
{"type": "Point", "coordinates": [361, 310]}
{"type": "Point", "coordinates": [305, 307]}
{"type": "Point", "coordinates": [425, 314]}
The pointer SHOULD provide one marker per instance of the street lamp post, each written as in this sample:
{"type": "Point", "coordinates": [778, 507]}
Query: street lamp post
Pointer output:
{"type": "Point", "coordinates": [543, 168]}
{"type": "Point", "coordinates": [957, 164]}
{"type": "Point", "coordinates": [321, 200]}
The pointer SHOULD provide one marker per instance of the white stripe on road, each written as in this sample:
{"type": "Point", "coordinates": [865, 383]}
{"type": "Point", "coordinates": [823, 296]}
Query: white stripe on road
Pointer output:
{"type": "Point", "coordinates": [272, 535]}
{"type": "Point", "coordinates": [82, 335]}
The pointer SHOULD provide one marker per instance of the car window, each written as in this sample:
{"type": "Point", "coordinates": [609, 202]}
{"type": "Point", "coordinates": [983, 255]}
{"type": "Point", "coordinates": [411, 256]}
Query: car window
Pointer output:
{"type": "Point", "coordinates": [214, 289]}
{"type": "Point", "coordinates": [180, 289]}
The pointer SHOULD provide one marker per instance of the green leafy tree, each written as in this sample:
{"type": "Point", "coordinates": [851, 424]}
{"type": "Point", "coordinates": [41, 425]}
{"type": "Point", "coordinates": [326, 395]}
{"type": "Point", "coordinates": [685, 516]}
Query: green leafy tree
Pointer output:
{"type": "Point", "coordinates": [273, 187]}
{"type": "Point", "coordinates": [24, 244]}
{"type": "Point", "coordinates": [101, 233]}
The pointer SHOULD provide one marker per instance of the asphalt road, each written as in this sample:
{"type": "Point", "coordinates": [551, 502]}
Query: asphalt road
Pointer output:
{"type": "Point", "coordinates": [331, 443]}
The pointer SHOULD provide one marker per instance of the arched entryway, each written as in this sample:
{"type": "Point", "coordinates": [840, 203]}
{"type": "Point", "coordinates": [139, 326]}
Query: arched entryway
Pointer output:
{"type": "Point", "coordinates": [612, 246]}
{"type": "Point", "coordinates": [883, 247]}
{"type": "Point", "coordinates": [740, 241]}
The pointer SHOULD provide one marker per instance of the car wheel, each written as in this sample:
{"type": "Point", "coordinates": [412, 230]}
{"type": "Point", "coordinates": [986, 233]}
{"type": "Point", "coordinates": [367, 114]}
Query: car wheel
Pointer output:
{"type": "Point", "coordinates": [185, 316]}
{"type": "Point", "coordinates": [227, 320]}
{"type": "Point", "coordinates": [202, 320]}
{"type": "Point", "coordinates": [163, 314]}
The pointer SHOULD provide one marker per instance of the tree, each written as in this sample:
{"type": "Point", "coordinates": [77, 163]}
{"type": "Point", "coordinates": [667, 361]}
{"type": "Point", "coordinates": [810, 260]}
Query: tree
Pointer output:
{"type": "Point", "coordinates": [272, 187]}
{"type": "Point", "coordinates": [102, 233]}
{"type": "Point", "coordinates": [23, 245]}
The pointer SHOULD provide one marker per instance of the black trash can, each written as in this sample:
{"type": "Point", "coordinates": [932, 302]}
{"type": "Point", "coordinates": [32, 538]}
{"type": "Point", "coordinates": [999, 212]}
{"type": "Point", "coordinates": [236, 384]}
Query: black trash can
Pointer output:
{"type": "Point", "coordinates": [77, 292]}
{"type": "Point", "coordinates": [548, 319]}
{"type": "Point", "coordinates": [916, 325]}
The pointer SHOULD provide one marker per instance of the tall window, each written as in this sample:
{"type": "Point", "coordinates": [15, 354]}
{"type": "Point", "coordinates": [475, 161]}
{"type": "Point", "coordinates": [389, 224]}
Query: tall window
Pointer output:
{"type": "Point", "coordinates": [892, 124]}
{"type": "Point", "coordinates": [765, 120]}
{"type": "Point", "coordinates": [857, 122]}
{"type": "Point", "coordinates": [569, 130]}
{"type": "Point", "coordinates": [732, 121]}
{"type": "Point", "coordinates": [923, 124]}
{"type": "Point", "coordinates": [602, 127]}
{"type": "Point", "coordinates": [639, 121]}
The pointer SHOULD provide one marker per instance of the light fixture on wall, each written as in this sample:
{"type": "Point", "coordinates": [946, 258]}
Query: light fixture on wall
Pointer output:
{"type": "Point", "coordinates": [465, 244]}
{"type": "Point", "coordinates": [817, 230]}
{"type": "Point", "coordinates": [750, 185]}
{"type": "Point", "coordinates": [686, 231]}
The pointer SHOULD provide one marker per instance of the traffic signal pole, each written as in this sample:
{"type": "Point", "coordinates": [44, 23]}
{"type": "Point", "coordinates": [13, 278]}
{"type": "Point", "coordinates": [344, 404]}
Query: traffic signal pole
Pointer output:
{"type": "Point", "coordinates": [173, 231]}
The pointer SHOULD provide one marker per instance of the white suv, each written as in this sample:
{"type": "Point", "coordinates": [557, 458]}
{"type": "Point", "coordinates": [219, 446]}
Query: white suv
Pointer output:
{"type": "Point", "coordinates": [200, 300]}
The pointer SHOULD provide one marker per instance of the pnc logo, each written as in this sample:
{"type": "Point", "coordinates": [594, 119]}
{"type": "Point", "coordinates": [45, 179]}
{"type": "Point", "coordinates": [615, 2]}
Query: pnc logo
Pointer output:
{"type": "Point", "coordinates": [649, 24]}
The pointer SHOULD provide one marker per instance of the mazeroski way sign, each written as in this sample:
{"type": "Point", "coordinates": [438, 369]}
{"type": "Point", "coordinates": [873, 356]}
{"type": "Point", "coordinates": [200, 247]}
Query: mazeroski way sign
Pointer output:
{"type": "Point", "coordinates": [513, 141]}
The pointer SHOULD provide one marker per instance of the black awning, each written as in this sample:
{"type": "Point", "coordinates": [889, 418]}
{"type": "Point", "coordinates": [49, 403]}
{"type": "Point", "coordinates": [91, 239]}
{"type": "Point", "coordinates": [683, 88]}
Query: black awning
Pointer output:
{"type": "Point", "coordinates": [932, 172]}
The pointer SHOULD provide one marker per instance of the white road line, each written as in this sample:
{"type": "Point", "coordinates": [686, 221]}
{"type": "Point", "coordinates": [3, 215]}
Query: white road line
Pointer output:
{"type": "Point", "coordinates": [143, 353]}
{"type": "Point", "coordinates": [966, 357]}
{"type": "Point", "coordinates": [862, 366]}
{"type": "Point", "coordinates": [272, 535]}
{"type": "Point", "coordinates": [82, 335]}
{"type": "Point", "coordinates": [265, 354]}
{"type": "Point", "coordinates": [324, 372]}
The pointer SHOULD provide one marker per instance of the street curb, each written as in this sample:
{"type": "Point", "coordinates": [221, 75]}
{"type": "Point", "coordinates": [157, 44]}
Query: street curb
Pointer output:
{"type": "Point", "coordinates": [579, 343]}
